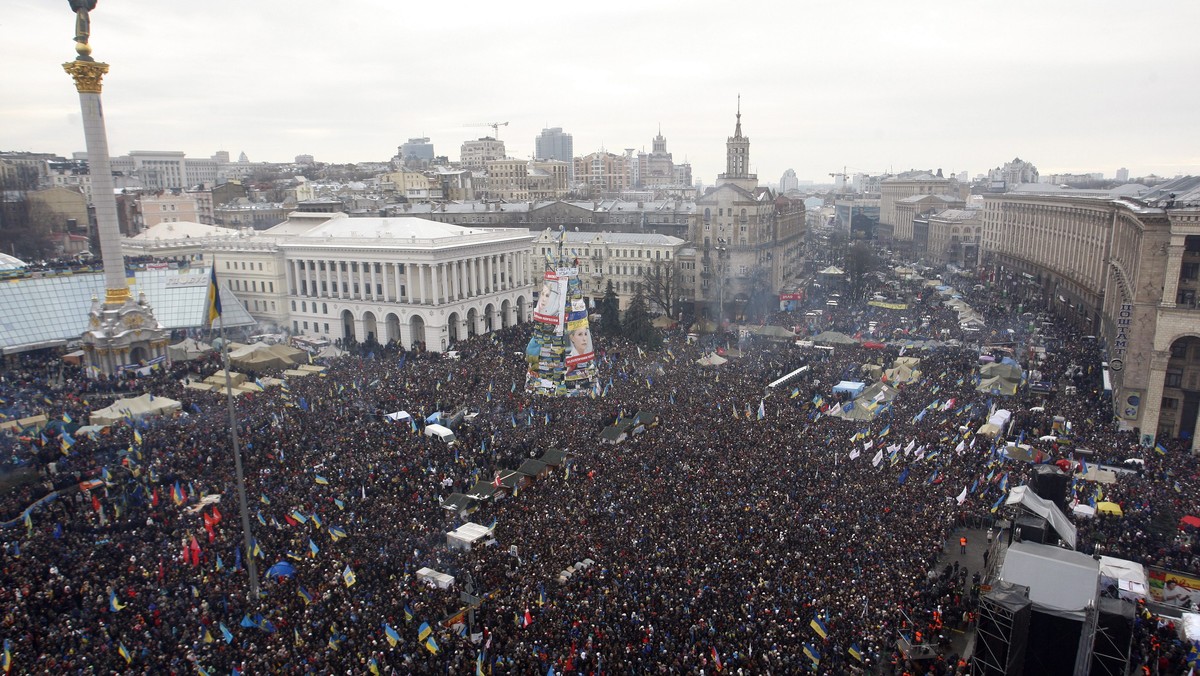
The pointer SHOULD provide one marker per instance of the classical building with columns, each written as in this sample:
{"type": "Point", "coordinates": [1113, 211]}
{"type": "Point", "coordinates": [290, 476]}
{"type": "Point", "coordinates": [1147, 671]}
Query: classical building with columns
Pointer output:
{"type": "Point", "coordinates": [409, 280]}
{"type": "Point", "coordinates": [1125, 266]}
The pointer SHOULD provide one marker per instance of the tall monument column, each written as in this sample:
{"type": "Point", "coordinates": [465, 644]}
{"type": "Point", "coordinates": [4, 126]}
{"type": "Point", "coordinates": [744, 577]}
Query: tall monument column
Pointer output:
{"type": "Point", "coordinates": [122, 331]}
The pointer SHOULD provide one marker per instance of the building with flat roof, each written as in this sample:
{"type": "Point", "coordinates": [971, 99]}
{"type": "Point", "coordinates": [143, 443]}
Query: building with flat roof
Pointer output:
{"type": "Point", "coordinates": [1123, 265]}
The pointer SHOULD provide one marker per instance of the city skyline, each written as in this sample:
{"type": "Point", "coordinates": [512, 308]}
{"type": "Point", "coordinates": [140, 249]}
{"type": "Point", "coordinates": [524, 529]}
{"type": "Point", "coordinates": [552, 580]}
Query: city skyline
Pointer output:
{"type": "Point", "coordinates": [950, 87]}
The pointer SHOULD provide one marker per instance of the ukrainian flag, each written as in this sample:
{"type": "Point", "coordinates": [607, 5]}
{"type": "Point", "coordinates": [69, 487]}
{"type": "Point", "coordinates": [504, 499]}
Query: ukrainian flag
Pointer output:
{"type": "Point", "coordinates": [408, 613]}
{"type": "Point", "coordinates": [819, 627]}
{"type": "Point", "coordinates": [811, 652]}
{"type": "Point", "coordinates": [348, 577]}
{"type": "Point", "coordinates": [214, 295]}
{"type": "Point", "coordinates": [855, 652]}
{"type": "Point", "coordinates": [423, 631]}
{"type": "Point", "coordinates": [392, 637]}
{"type": "Point", "coordinates": [113, 604]}
{"type": "Point", "coordinates": [124, 653]}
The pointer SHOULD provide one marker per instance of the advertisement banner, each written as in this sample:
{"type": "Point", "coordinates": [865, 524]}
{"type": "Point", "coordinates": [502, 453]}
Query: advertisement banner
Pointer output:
{"type": "Point", "coordinates": [1174, 589]}
{"type": "Point", "coordinates": [549, 309]}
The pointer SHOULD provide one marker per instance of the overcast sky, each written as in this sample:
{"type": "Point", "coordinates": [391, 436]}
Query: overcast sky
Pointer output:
{"type": "Point", "coordinates": [1071, 85]}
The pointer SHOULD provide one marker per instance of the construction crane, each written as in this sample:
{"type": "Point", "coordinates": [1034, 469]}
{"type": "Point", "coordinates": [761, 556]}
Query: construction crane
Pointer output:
{"type": "Point", "coordinates": [494, 125]}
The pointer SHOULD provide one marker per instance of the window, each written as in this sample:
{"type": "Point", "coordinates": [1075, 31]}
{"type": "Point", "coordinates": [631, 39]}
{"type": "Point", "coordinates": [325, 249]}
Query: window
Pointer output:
{"type": "Point", "coordinates": [305, 326]}
{"type": "Point", "coordinates": [226, 265]}
{"type": "Point", "coordinates": [324, 308]}
{"type": "Point", "coordinates": [1170, 404]}
{"type": "Point", "coordinates": [304, 306]}
{"type": "Point", "coordinates": [742, 270]}
{"type": "Point", "coordinates": [295, 326]}
{"type": "Point", "coordinates": [272, 286]}
{"type": "Point", "coordinates": [1179, 349]}
{"type": "Point", "coordinates": [293, 306]}
{"type": "Point", "coordinates": [260, 267]}
{"type": "Point", "coordinates": [1174, 378]}
{"type": "Point", "coordinates": [1189, 271]}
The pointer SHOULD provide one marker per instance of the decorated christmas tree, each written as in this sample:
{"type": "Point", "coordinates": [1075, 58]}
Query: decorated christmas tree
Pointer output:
{"type": "Point", "coordinates": [560, 354]}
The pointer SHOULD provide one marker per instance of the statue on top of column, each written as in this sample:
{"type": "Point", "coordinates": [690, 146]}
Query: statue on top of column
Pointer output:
{"type": "Point", "coordinates": [83, 23]}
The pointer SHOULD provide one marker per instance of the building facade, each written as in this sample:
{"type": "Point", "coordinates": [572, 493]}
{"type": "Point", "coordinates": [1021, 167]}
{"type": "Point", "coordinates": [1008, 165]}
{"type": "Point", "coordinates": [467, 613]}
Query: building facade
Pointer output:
{"type": "Point", "coordinates": [1125, 268]}
{"type": "Point", "coordinates": [508, 179]}
{"type": "Point", "coordinates": [602, 172]}
{"type": "Point", "coordinates": [748, 240]}
{"type": "Point", "coordinates": [908, 184]}
{"type": "Point", "coordinates": [630, 261]}
{"type": "Point", "coordinates": [554, 144]}
{"type": "Point", "coordinates": [167, 206]}
{"type": "Point", "coordinates": [476, 154]}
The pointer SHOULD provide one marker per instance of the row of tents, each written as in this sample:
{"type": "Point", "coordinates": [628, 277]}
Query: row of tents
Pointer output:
{"type": "Point", "coordinates": [252, 357]}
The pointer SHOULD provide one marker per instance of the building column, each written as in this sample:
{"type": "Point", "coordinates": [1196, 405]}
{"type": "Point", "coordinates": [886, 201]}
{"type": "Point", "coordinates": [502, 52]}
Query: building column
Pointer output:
{"type": "Point", "coordinates": [452, 282]}
{"type": "Point", "coordinates": [410, 281]}
{"type": "Point", "coordinates": [489, 279]}
{"type": "Point", "coordinates": [421, 297]}
{"type": "Point", "coordinates": [1154, 394]}
{"type": "Point", "coordinates": [468, 273]}
{"type": "Point", "coordinates": [396, 277]}
{"type": "Point", "coordinates": [375, 283]}
{"type": "Point", "coordinates": [1174, 264]}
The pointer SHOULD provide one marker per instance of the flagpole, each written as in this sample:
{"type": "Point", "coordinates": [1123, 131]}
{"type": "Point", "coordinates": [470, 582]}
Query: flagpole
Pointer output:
{"type": "Point", "coordinates": [251, 566]}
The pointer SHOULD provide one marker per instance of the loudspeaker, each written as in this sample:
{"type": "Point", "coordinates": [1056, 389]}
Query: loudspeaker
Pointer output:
{"type": "Point", "coordinates": [1032, 528]}
{"type": "Point", "coordinates": [1050, 483]}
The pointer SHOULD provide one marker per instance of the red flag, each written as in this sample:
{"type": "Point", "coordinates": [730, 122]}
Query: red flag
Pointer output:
{"type": "Point", "coordinates": [195, 551]}
{"type": "Point", "coordinates": [161, 573]}
{"type": "Point", "coordinates": [154, 497]}
{"type": "Point", "coordinates": [208, 520]}
{"type": "Point", "coordinates": [528, 618]}
{"type": "Point", "coordinates": [95, 502]}
{"type": "Point", "coordinates": [216, 515]}
{"type": "Point", "coordinates": [290, 520]}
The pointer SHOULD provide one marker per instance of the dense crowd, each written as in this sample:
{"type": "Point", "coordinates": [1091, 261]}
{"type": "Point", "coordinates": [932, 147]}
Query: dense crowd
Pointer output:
{"type": "Point", "coordinates": [751, 530]}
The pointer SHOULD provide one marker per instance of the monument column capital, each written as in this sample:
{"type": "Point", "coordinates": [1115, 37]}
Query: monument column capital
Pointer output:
{"type": "Point", "coordinates": [87, 75]}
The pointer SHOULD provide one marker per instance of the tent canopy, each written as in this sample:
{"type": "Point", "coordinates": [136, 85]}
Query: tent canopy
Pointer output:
{"type": "Point", "coordinates": [833, 338]}
{"type": "Point", "coordinates": [712, 359]}
{"type": "Point", "coordinates": [258, 357]}
{"type": "Point", "coordinates": [1025, 497]}
{"type": "Point", "coordinates": [137, 408]}
{"type": "Point", "coordinates": [1061, 582]}
{"type": "Point", "coordinates": [1110, 508]}
{"type": "Point", "coordinates": [187, 350]}
{"type": "Point", "coordinates": [851, 387]}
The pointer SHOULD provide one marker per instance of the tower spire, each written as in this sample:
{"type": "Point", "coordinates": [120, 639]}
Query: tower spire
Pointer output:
{"type": "Point", "coordinates": [737, 131]}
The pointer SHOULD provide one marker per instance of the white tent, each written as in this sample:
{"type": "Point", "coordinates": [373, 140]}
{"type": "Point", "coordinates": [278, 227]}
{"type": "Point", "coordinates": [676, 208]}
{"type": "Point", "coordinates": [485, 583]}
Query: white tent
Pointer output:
{"type": "Point", "coordinates": [398, 415]}
{"type": "Point", "coordinates": [713, 359]}
{"type": "Point", "coordinates": [466, 535]}
{"type": "Point", "coordinates": [1129, 577]}
{"type": "Point", "coordinates": [137, 408]}
{"type": "Point", "coordinates": [1025, 497]}
{"type": "Point", "coordinates": [330, 352]}
{"type": "Point", "coordinates": [435, 579]}
{"type": "Point", "coordinates": [187, 350]}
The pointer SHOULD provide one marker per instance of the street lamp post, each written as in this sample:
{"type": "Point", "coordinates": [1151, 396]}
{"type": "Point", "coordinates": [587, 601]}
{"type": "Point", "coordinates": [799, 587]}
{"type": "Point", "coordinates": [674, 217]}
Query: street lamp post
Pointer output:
{"type": "Point", "coordinates": [722, 254]}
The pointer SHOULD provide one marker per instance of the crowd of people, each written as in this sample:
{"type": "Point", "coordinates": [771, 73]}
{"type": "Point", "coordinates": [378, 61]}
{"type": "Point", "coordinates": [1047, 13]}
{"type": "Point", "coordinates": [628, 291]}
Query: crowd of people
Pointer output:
{"type": "Point", "coordinates": [752, 530]}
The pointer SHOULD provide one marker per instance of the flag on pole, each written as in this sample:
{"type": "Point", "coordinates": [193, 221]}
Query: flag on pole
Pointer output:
{"type": "Point", "coordinates": [214, 295]}
{"type": "Point", "coordinates": [392, 637]}
{"type": "Point", "coordinates": [819, 627]}
{"type": "Point", "coordinates": [123, 652]}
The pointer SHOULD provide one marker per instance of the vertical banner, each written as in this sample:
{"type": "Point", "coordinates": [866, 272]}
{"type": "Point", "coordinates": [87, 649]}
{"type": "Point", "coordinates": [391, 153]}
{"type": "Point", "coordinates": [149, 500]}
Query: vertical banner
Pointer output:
{"type": "Point", "coordinates": [549, 308]}
{"type": "Point", "coordinates": [579, 335]}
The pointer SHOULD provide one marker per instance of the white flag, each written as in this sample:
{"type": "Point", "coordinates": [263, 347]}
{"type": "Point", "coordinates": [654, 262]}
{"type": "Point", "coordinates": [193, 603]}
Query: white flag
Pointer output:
{"type": "Point", "coordinates": [854, 454]}
{"type": "Point", "coordinates": [962, 497]}
{"type": "Point", "coordinates": [962, 445]}
{"type": "Point", "coordinates": [868, 446]}
{"type": "Point", "coordinates": [878, 458]}
{"type": "Point", "coordinates": [911, 445]}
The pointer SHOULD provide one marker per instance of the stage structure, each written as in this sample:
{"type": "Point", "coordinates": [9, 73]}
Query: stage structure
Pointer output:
{"type": "Point", "coordinates": [1003, 626]}
{"type": "Point", "coordinates": [560, 353]}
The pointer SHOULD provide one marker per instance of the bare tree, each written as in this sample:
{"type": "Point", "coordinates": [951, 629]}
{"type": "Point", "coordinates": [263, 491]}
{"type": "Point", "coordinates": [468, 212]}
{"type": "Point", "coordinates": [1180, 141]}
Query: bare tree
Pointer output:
{"type": "Point", "coordinates": [661, 283]}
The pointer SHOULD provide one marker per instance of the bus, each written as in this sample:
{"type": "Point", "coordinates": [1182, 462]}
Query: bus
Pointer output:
{"type": "Point", "coordinates": [310, 344]}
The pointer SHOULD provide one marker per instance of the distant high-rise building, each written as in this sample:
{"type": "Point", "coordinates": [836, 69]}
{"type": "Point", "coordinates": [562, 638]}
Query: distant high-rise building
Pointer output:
{"type": "Point", "coordinates": [305, 159]}
{"type": "Point", "coordinates": [788, 181]}
{"type": "Point", "coordinates": [221, 156]}
{"type": "Point", "coordinates": [1122, 175]}
{"type": "Point", "coordinates": [417, 153]}
{"type": "Point", "coordinates": [553, 144]}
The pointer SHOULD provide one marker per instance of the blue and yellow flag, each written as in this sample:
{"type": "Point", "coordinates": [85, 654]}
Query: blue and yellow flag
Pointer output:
{"type": "Point", "coordinates": [812, 653]}
{"type": "Point", "coordinates": [855, 652]}
{"type": "Point", "coordinates": [348, 577]}
{"type": "Point", "coordinates": [423, 631]}
{"type": "Point", "coordinates": [124, 653]}
{"type": "Point", "coordinates": [214, 296]}
{"type": "Point", "coordinates": [113, 604]}
{"type": "Point", "coordinates": [392, 637]}
{"type": "Point", "coordinates": [408, 613]}
{"type": "Point", "coordinates": [819, 627]}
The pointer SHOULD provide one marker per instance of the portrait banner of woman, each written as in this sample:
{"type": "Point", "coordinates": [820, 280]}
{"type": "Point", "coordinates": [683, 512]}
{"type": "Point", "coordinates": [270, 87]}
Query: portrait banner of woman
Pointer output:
{"type": "Point", "coordinates": [549, 308]}
{"type": "Point", "coordinates": [580, 335]}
